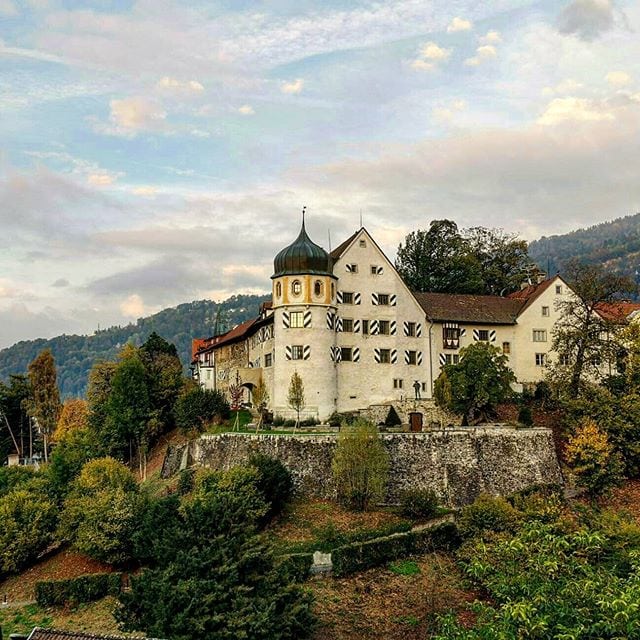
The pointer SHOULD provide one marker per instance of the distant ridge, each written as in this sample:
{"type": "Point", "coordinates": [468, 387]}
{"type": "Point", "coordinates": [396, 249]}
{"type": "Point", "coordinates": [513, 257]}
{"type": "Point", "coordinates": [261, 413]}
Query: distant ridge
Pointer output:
{"type": "Point", "coordinates": [615, 244]}
{"type": "Point", "coordinates": [76, 354]}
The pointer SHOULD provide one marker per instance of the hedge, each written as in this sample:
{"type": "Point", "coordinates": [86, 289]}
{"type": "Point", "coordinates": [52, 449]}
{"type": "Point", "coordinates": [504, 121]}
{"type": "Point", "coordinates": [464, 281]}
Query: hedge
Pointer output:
{"type": "Point", "coordinates": [374, 553]}
{"type": "Point", "coordinates": [87, 588]}
{"type": "Point", "coordinates": [298, 565]}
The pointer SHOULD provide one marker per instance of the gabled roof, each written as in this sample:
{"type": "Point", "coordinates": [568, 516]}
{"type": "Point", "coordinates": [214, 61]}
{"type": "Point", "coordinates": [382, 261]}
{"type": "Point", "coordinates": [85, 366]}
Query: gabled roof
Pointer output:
{"type": "Point", "coordinates": [530, 293]}
{"type": "Point", "coordinates": [618, 312]}
{"type": "Point", "coordinates": [336, 254]}
{"type": "Point", "coordinates": [57, 634]}
{"type": "Point", "coordinates": [473, 309]}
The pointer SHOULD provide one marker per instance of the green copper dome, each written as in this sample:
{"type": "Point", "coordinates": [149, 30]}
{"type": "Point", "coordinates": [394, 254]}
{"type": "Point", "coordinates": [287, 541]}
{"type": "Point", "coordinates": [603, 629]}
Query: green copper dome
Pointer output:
{"type": "Point", "coordinates": [301, 257]}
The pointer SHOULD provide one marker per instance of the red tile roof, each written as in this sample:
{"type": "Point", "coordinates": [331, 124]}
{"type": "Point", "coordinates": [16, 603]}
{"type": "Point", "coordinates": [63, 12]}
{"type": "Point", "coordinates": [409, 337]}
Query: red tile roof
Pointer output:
{"type": "Point", "coordinates": [618, 312]}
{"type": "Point", "coordinates": [196, 345]}
{"type": "Point", "coordinates": [530, 293]}
{"type": "Point", "coordinates": [473, 309]}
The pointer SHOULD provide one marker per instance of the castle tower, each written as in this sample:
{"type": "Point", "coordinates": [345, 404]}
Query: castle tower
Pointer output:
{"type": "Point", "coordinates": [304, 299]}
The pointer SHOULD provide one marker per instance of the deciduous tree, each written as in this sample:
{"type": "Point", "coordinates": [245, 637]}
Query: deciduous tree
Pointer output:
{"type": "Point", "coordinates": [295, 397]}
{"type": "Point", "coordinates": [45, 397]}
{"type": "Point", "coordinates": [74, 415]}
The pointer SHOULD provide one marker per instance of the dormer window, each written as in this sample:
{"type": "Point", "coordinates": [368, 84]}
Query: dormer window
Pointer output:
{"type": "Point", "coordinates": [296, 287]}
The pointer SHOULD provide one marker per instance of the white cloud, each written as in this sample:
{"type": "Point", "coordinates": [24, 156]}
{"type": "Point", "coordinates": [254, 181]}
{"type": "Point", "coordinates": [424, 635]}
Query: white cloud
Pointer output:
{"type": "Point", "coordinates": [565, 87]}
{"type": "Point", "coordinates": [133, 307]}
{"type": "Point", "coordinates": [574, 109]}
{"type": "Point", "coordinates": [618, 78]}
{"type": "Point", "coordinates": [483, 53]}
{"type": "Point", "coordinates": [101, 179]}
{"type": "Point", "coordinates": [7, 290]}
{"type": "Point", "coordinates": [459, 24]}
{"type": "Point", "coordinates": [430, 56]}
{"type": "Point", "coordinates": [144, 191]}
{"type": "Point", "coordinates": [246, 110]}
{"type": "Point", "coordinates": [168, 83]}
{"type": "Point", "coordinates": [8, 8]}
{"type": "Point", "coordinates": [292, 87]}
{"type": "Point", "coordinates": [129, 116]}
{"type": "Point", "coordinates": [446, 114]}
{"type": "Point", "coordinates": [491, 37]}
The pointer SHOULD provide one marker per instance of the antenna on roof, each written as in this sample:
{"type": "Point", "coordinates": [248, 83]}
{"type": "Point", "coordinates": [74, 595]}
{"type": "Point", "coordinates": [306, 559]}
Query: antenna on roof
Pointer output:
{"type": "Point", "coordinates": [361, 217]}
{"type": "Point", "coordinates": [329, 234]}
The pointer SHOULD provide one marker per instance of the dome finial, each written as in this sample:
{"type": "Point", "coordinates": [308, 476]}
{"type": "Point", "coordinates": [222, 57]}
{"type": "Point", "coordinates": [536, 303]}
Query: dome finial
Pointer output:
{"type": "Point", "coordinates": [304, 211]}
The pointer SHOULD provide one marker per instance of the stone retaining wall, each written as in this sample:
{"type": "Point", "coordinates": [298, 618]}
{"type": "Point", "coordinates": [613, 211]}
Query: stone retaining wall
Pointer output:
{"type": "Point", "coordinates": [458, 464]}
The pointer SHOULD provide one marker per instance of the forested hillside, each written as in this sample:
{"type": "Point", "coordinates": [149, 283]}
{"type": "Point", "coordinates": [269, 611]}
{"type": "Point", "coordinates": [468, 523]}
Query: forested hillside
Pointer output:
{"type": "Point", "coordinates": [615, 245]}
{"type": "Point", "coordinates": [76, 354]}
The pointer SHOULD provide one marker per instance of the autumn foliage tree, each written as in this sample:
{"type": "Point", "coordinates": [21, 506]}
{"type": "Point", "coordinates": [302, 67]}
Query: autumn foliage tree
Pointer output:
{"type": "Point", "coordinates": [45, 399]}
{"type": "Point", "coordinates": [74, 415]}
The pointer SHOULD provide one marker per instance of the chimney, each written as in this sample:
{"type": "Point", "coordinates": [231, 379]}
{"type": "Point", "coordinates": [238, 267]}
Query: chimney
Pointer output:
{"type": "Point", "coordinates": [541, 277]}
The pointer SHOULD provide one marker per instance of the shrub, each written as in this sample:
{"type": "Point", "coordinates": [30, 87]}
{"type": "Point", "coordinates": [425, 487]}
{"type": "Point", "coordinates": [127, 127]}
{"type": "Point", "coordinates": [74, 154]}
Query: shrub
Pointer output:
{"type": "Point", "coordinates": [101, 512]}
{"type": "Point", "coordinates": [525, 416]}
{"type": "Point", "coordinates": [185, 481]}
{"type": "Point", "coordinates": [274, 483]}
{"type": "Point", "coordinates": [197, 407]}
{"type": "Point", "coordinates": [278, 421]}
{"type": "Point", "coordinates": [298, 565]}
{"type": "Point", "coordinates": [28, 519]}
{"type": "Point", "coordinates": [360, 465]}
{"type": "Point", "coordinates": [15, 477]}
{"type": "Point", "coordinates": [418, 503]}
{"type": "Point", "coordinates": [87, 588]}
{"type": "Point", "coordinates": [488, 514]}
{"type": "Point", "coordinates": [289, 423]}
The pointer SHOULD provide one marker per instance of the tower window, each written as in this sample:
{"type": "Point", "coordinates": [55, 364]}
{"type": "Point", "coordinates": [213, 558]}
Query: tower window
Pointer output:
{"type": "Point", "coordinates": [268, 359]}
{"type": "Point", "coordinates": [279, 290]}
{"type": "Point", "coordinates": [352, 268]}
{"type": "Point", "coordinates": [317, 288]}
{"type": "Point", "coordinates": [383, 327]}
{"type": "Point", "coordinates": [296, 287]}
{"type": "Point", "coordinates": [296, 319]}
{"type": "Point", "coordinates": [346, 354]}
{"type": "Point", "coordinates": [297, 352]}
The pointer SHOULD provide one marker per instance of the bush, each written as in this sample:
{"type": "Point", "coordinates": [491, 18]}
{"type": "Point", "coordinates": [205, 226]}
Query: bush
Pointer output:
{"type": "Point", "coordinates": [278, 421]}
{"type": "Point", "coordinates": [27, 522]}
{"type": "Point", "coordinates": [488, 514]}
{"type": "Point", "coordinates": [197, 407]}
{"type": "Point", "coordinates": [101, 512]}
{"type": "Point", "coordinates": [298, 565]}
{"type": "Point", "coordinates": [359, 556]}
{"type": "Point", "coordinates": [87, 588]}
{"type": "Point", "coordinates": [274, 482]}
{"type": "Point", "coordinates": [289, 423]}
{"type": "Point", "coordinates": [15, 477]}
{"type": "Point", "coordinates": [419, 503]}
{"type": "Point", "coordinates": [360, 465]}
{"type": "Point", "coordinates": [525, 416]}
{"type": "Point", "coordinates": [185, 481]}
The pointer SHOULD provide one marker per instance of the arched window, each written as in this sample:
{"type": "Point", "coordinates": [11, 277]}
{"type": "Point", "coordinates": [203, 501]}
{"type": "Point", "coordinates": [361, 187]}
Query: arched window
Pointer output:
{"type": "Point", "coordinates": [279, 290]}
{"type": "Point", "coordinates": [296, 287]}
{"type": "Point", "coordinates": [317, 288]}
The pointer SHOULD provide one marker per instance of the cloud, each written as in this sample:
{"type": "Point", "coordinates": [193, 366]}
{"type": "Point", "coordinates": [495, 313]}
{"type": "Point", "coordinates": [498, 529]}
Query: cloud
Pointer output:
{"type": "Point", "coordinates": [246, 110]}
{"type": "Point", "coordinates": [7, 289]}
{"type": "Point", "coordinates": [574, 109]}
{"type": "Point", "coordinates": [491, 37]}
{"type": "Point", "coordinates": [446, 114]}
{"type": "Point", "coordinates": [130, 116]}
{"type": "Point", "coordinates": [144, 191]}
{"type": "Point", "coordinates": [170, 84]}
{"type": "Point", "coordinates": [587, 19]}
{"type": "Point", "coordinates": [60, 283]}
{"type": "Point", "coordinates": [483, 53]}
{"type": "Point", "coordinates": [565, 87]}
{"type": "Point", "coordinates": [133, 307]}
{"type": "Point", "coordinates": [459, 24]}
{"type": "Point", "coordinates": [430, 56]}
{"type": "Point", "coordinates": [618, 78]}
{"type": "Point", "coordinates": [293, 87]}
{"type": "Point", "coordinates": [8, 8]}
{"type": "Point", "coordinates": [101, 179]}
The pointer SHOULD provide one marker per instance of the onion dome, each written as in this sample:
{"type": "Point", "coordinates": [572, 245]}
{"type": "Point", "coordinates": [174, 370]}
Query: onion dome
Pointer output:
{"type": "Point", "coordinates": [302, 257]}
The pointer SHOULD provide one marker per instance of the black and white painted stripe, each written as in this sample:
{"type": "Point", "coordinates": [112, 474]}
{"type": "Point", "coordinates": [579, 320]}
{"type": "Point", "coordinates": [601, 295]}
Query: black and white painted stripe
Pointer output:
{"type": "Point", "coordinates": [443, 359]}
{"type": "Point", "coordinates": [286, 322]}
{"type": "Point", "coordinates": [374, 327]}
{"type": "Point", "coordinates": [338, 324]}
{"type": "Point", "coordinates": [351, 268]}
{"type": "Point", "coordinates": [355, 354]}
{"type": "Point", "coordinates": [307, 319]}
{"type": "Point", "coordinates": [378, 271]}
{"type": "Point", "coordinates": [394, 356]}
{"type": "Point", "coordinates": [356, 326]}
{"type": "Point", "coordinates": [393, 326]}
{"type": "Point", "coordinates": [331, 320]}
{"type": "Point", "coordinates": [357, 297]}
{"type": "Point", "coordinates": [339, 297]}
{"type": "Point", "coordinates": [393, 300]}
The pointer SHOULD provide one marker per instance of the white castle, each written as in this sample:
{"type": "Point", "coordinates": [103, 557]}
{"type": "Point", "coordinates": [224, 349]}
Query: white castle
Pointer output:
{"type": "Point", "coordinates": [349, 326]}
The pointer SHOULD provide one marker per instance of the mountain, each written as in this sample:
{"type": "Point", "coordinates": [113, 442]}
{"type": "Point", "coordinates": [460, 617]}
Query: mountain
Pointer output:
{"type": "Point", "coordinates": [616, 245]}
{"type": "Point", "coordinates": [75, 354]}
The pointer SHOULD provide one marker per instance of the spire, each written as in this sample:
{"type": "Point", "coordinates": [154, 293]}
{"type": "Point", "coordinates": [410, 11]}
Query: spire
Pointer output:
{"type": "Point", "coordinates": [304, 211]}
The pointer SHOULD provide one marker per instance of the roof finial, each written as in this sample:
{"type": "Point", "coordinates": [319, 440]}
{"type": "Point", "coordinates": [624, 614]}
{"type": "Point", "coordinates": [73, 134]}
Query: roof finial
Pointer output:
{"type": "Point", "coordinates": [304, 210]}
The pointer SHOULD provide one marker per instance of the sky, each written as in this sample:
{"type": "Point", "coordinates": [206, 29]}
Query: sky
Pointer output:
{"type": "Point", "coordinates": [155, 152]}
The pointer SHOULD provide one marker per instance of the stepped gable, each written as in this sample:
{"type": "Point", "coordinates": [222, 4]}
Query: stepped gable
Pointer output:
{"type": "Point", "coordinates": [468, 308]}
